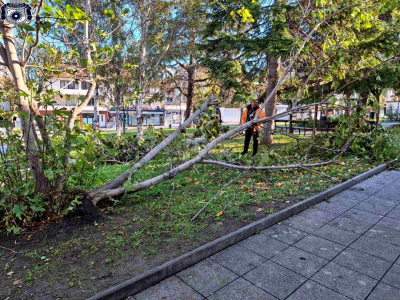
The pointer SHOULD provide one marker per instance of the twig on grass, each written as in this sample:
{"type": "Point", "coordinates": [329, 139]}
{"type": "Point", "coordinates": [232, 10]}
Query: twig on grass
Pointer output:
{"type": "Point", "coordinates": [320, 173]}
{"type": "Point", "coordinates": [209, 201]}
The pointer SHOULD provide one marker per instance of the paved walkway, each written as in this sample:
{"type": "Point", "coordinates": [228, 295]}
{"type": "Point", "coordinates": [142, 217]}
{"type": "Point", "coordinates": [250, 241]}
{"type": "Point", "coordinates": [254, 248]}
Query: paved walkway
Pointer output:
{"type": "Point", "coordinates": [344, 248]}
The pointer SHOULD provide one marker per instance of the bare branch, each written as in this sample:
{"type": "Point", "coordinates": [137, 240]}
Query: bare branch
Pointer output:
{"type": "Point", "coordinates": [34, 45]}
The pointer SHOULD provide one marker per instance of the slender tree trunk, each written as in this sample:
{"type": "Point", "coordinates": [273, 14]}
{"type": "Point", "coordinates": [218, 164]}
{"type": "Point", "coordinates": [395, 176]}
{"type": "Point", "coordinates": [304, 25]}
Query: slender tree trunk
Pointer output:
{"type": "Point", "coordinates": [142, 66]}
{"type": "Point", "coordinates": [123, 116]}
{"type": "Point", "coordinates": [28, 127]}
{"type": "Point", "coordinates": [270, 107]}
{"type": "Point", "coordinates": [347, 110]}
{"type": "Point", "coordinates": [364, 100]}
{"type": "Point", "coordinates": [190, 92]}
{"type": "Point", "coordinates": [96, 110]}
{"type": "Point", "coordinates": [315, 120]}
{"type": "Point", "coordinates": [117, 111]}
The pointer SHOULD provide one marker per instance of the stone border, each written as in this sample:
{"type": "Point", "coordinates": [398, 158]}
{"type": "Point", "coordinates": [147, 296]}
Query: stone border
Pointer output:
{"type": "Point", "coordinates": [149, 278]}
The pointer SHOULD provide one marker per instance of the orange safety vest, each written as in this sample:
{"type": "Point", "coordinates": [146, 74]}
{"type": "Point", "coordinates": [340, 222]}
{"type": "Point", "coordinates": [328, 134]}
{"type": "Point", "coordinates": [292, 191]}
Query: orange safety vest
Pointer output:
{"type": "Point", "coordinates": [261, 116]}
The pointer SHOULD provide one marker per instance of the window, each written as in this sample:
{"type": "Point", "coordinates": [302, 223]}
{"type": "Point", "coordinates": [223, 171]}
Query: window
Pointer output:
{"type": "Point", "coordinates": [169, 100]}
{"type": "Point", "coordinates": [68, 85]}
{"type": "Point", "coordinates": [85, 85]}
{"type": "Point", "coordinates": [71, 101]}
{"type": "Point", "coordinates": [87, 118]}
{"type": "Point", "coordinates": [91, 102]}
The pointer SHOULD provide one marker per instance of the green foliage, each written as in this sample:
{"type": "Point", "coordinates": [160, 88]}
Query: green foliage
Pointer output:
{"type": "Point", "coordinates": [126, 148]}
{"type": "Point", "coordinates": [20, 203]}
{"type": "Point", "coordinates": [391, 116]}
{"type": "Point", "coordinates": [209, 126]}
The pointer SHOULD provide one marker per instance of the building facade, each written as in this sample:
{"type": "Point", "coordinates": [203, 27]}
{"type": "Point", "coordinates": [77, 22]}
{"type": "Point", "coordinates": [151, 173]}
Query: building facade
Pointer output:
{"type": "Point", "coordinates": [72, 91]}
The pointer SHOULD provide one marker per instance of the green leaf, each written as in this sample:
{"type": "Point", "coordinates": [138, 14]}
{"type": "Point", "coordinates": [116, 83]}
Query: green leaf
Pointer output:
{"type": "Point", "coordinates": [19, 210]}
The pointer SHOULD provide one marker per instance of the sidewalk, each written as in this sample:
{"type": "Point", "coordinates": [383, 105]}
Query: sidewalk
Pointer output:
{"type": "Point", "coordinates": [345, 248]}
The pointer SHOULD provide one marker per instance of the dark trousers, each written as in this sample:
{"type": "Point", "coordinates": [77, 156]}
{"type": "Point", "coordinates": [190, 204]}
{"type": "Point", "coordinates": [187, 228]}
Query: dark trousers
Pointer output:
{"type": "Point", "coordinates": [247, 137]}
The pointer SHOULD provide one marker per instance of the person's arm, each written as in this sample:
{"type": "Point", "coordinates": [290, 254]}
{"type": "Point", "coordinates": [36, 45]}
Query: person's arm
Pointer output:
{"type": "Point", "coordinates": [261, 116]}
{"type": "Point", "coordinates": [244, 116]}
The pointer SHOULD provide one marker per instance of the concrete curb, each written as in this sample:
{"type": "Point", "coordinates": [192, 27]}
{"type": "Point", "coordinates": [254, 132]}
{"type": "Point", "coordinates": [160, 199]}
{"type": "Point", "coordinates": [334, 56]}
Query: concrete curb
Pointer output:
{"type": "Point", "coordinates": [145, 280]}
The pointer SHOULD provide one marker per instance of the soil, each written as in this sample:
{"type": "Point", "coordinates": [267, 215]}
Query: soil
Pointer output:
{"type": "Point", "coordinates": [61, 260]}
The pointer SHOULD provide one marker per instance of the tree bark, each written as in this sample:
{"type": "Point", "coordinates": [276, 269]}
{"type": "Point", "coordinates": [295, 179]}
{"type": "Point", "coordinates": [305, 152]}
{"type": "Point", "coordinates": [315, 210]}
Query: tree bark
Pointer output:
{"type": "Point", "coordinates": [96, 110]}
{"type": "Point", "coordinates": [190, 93]}
{"type": "Point", "coordinates": [315, 119]}
{"type": "Point", "coordinates": [270, 107]}
{"type": "Point", "coordinates": [142, 65]}
{"type": "Point", "coordinates": [123, 116]}
{"type": "Point", "coordinates": [25, 114]}
{"type": "Point", "coordinates": [117, 112]}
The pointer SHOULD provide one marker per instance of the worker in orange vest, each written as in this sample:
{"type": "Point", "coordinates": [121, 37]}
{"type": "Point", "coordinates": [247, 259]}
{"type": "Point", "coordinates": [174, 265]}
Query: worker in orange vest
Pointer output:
{"type": "Point", "coordinates": [248, 115]}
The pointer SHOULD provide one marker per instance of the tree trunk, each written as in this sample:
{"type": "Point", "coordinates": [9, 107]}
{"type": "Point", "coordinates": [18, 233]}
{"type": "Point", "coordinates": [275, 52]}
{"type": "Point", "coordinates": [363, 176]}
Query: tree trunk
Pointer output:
{"type": "Point", "coordinates": [96, 110]}
{"type": "Point", "coordinates": [270, 107]}
{"type": "Point", "coordinates": [364, 100]}
{"type": "Point", "coordinates": [123, 116]}
{"type": "Point", "coordinates": [190, 92]}
{"type": "Point", "coordinates": [117, 111]}
{"type": "Point", "coordinates": [315, 120]}
{"type": "Point", "coordinates": [139, 112]}
{"type": "Point", "coordinates": [28, 127]}
{"type": "Point", "coordinates": [142, 65]}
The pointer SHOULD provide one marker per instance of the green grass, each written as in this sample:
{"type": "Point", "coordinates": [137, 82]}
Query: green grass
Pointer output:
{"type": "Point", "coordinates": [170, 205]}
{"type": "Point", "coordinates": [156, 223]}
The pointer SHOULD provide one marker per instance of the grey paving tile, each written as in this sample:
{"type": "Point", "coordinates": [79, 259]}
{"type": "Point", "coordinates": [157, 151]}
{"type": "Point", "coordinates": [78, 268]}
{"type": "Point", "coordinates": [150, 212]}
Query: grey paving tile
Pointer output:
{"type": "Point", "coordinates": [362, 215]}
{"type": "Point", "coordinates": [376, 205]}
{"type": "Point", "coordinates": [310, 219]}
{"type": "Point", "coordinates": [169, 289]}
{"type": "Point", "coordinates": [285, 233]}
{"type": "Point", "coordinates": [395, 213]}
{"type": "Point", "coordinates": [377, 248]}
{"type": "Point", "coordinates": [385, 234]}
{"type": "Point", "coordinates": [331, 207]}
{"type": "Point", "coordinates": [345, 281]}
{"type": "Point", "coordinates": [276, 280]}
{"type": "Point", "coordinates": [263, 245]}
{"type": "Point", "coordinates": [363, 263]}
{"type": "Point", "coordinates": [353, 193]}
{"type": "Point", "coordinates": [371, 186]}
{"type": "Point", "coordinates": [392, 277]}
{"type": "Point", "coordinates": [300, 261]}
{"type": "Point", "coordinates": [241, 289]}
{"type": "Point", "coordinates": [349, 224]}
{"type": "Point", "coordinates": [390, 222]}
{"type": "Point", "coordinates": [319, 246]}
{"type": "Point", "coordinates": [336, 234]}
{"type": "Point", "coordinates": [207, 277]}
{"type": "Point", "coordinates": [384, 292]}
{"type": "Point", "coordinates": [398, 261]}
{"type": "Point", "coordinates": [238, 259]}
{"type": "Point", "coordinates": [391, 192]}
{"type": "Point", "coordinates": [314, 291]}
{"type": "Point", "coordinates": [344, 200]}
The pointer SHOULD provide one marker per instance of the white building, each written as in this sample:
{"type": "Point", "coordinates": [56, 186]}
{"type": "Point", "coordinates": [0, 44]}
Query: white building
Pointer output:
{"type": "Point", "coordinates": [73, 88]}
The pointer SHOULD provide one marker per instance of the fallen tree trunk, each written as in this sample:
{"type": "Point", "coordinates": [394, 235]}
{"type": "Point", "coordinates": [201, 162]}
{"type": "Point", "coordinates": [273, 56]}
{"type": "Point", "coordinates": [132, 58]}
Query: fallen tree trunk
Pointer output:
{"type": "Point", "coordinates": [101, 194]}
{"type": "Point", "coordinates": [149, 156]}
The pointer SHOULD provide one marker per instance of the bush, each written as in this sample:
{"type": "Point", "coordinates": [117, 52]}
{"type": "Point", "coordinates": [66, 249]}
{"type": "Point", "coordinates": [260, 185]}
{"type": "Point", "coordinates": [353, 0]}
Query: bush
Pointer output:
{"type": "Point", "coordinates": [20, 204]}
{"type": "Point", "coordinates": [112, 149]}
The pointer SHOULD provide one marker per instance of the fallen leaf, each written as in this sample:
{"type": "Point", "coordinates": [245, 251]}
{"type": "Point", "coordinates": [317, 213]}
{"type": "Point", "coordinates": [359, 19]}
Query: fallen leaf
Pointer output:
{"type": "Point", "coordinates": [17, 282]}
{"type": "Point", "coordinates": [10, 273]}
{"type": "Point", "coordinates": [219, 214]}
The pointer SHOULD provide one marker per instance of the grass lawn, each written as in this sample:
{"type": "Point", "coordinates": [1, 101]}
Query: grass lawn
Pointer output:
{"type": "Point", "coordinates": [77, 257]}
